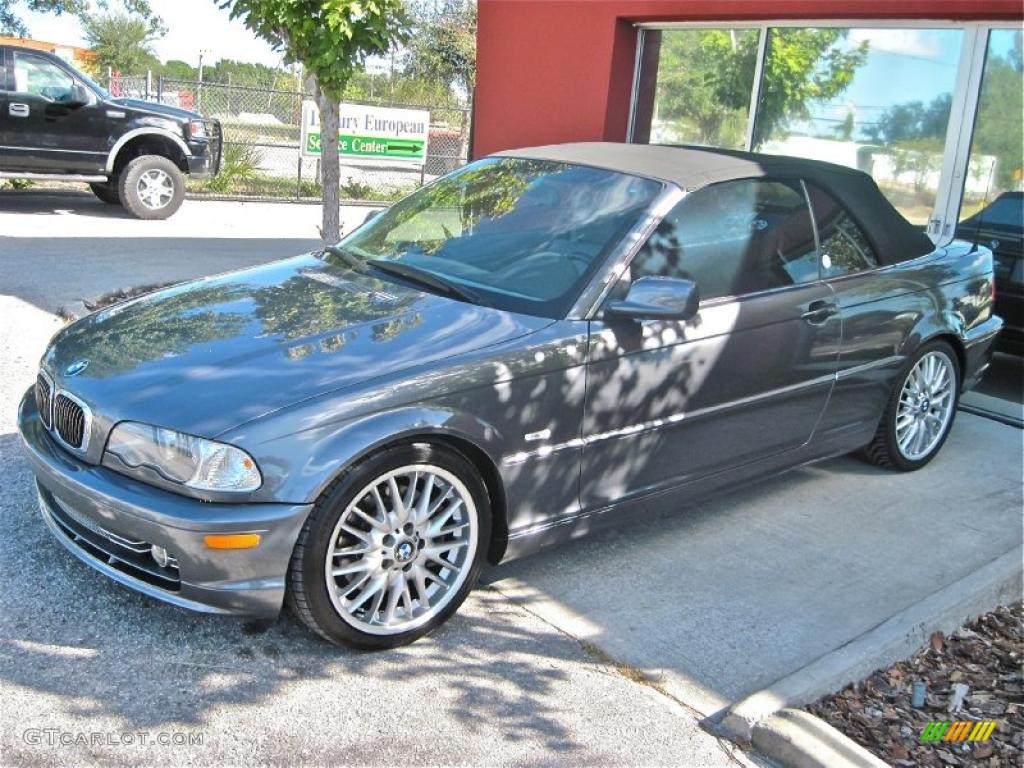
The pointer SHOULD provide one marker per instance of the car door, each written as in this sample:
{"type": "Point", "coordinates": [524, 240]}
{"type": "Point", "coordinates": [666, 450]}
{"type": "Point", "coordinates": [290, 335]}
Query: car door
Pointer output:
{"type": "Point", "coordinates": [879, 307]}
{"type": "Point", "coordinates": [746, 378]}
{"type": "Point", "coordinates": [52, 123]}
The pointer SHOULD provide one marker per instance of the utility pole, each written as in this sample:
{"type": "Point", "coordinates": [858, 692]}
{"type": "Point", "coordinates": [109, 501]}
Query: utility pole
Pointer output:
{"type": "Point", "coordinates": [199, 89]}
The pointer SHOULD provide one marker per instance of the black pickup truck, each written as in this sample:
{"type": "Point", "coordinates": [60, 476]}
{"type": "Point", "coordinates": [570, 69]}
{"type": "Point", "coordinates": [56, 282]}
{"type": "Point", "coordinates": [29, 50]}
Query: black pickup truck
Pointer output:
{"type": "Point", "coordinates": [56, 123]}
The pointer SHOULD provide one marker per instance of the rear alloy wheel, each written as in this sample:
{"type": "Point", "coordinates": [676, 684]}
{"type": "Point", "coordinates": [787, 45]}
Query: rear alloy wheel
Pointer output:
{"type": "Point", "coordinates": [920, 411]}
{"type": "Point", "coordinates": [152, 187]}
{"type": "Point", "coordinates": [106, 192]}
{"type": "Point", "coordinates": [393, 548]}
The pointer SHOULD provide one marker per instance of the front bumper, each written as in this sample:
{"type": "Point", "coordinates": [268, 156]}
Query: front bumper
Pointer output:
{"type": "Point", "coordinates": [107, 520]}
{"type": "Point", "coordinates": [205, 160]}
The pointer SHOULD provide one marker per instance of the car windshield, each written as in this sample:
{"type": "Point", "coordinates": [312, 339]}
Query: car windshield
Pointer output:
{"type": "Point", "coordinates": [516, 234]}
{"type": "Point", "coordinates": [100, 90]}
{"type": "Point", "coordinates": [1005, 212]}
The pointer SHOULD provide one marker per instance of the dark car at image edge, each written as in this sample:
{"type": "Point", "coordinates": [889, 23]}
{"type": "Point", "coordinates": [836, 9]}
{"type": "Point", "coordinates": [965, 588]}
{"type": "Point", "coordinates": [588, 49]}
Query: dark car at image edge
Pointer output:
{"type": "Point", "coordinates": [999, 226]}
{"type": "Point", "coordinates": [539, 344]}
{"type": "Point", "coordinates": [57, 124]}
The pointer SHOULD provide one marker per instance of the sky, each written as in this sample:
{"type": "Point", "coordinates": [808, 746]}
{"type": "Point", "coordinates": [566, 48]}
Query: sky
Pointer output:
{"type": "Point", "coordinates": [193, 26]}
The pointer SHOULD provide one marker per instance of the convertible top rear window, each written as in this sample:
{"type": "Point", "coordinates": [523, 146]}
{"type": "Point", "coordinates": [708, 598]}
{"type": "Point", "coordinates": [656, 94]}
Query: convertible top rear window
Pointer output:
{"type": "Point", "coordinates": [522, 235]}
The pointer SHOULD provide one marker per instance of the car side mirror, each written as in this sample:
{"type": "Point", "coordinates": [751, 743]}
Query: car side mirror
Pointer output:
{"type": "Point", "coordinates": [656, 298]}
{"type": "Point", "coordinates": [80, 94]}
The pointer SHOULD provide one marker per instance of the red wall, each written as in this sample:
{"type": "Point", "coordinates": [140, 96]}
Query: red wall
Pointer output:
{"type": "Point", "coordinates": [550, 71]}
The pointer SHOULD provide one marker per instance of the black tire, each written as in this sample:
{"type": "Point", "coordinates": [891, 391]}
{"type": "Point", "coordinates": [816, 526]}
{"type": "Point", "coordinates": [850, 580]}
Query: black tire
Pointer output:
{"type": "Point", "coordinates": [128, 187]}
{"type": "Point", "coordinates": [884, 449]}
{"type": "Point", "coordinates": [308, 595]}
{"type": "Point", "coordinates": [107, 193]}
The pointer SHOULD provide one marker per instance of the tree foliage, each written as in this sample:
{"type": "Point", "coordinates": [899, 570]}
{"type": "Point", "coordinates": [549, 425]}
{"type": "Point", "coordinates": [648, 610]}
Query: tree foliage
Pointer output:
{"type": "Point", "coordinates": [1000, 128]}
{"type": "Point", "coordinates": [331, 39]}
{"type": "Point", "coordinates": [442, 48]}
{"type": "Point", "coordinates": [705, 79]}
{"type": "Point", "coordinates": [803, 66]}
{"type": "Point", "coordinates": [704, 83]}
{"type": "Point", "coordinates": [912, 120]}
{"type": "Point", "coordinates": [121, 41]}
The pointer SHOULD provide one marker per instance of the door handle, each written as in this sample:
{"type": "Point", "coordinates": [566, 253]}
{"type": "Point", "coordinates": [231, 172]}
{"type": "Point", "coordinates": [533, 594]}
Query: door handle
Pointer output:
{"type": "Point", "coordinates": [17, 110]}
{"type": "Point", "coordinates": [819, 311]}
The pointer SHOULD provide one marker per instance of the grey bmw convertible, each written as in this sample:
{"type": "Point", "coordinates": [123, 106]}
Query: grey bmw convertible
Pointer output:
{"type": "Point", "coordinates": [540, 343]}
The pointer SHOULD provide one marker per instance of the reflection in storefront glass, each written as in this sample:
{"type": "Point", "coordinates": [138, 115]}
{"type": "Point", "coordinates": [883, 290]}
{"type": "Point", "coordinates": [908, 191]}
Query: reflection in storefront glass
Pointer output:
{"type": "Point", "coordinates": [874, 99]}
{"type": "Point", "coordinates": [700, 89]}
{"type": "Point", "coordinates": [998, 143]}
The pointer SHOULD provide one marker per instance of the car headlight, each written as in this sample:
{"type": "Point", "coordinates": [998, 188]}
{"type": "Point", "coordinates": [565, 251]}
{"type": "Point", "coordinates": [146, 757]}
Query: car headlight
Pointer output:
{"type": "Point", "coordinates": [197, 463]}
{"type": "Point", "coordinates": [197, 129]}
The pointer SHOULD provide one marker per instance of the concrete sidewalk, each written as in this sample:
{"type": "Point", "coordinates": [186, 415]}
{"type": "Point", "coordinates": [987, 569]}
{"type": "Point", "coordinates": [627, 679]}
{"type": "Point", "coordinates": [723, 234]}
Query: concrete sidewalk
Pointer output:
{"type": "Point", "coordinates": [726, 598]}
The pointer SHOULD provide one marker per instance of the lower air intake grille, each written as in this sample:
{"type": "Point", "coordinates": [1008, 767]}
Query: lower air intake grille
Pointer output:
{"type": "Point", "coordinates": [69, 420]}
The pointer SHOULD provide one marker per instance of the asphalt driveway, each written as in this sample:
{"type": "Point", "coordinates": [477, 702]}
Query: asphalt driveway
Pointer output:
{"type": "Point", "coordinates": [60, 248]}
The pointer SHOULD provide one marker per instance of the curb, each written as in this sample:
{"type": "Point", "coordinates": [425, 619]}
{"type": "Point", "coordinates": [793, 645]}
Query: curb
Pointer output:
{"type": "Point", "coordinates": [796, 738]}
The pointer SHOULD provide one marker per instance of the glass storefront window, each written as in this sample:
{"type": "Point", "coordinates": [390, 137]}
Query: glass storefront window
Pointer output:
{"type": "Point", "coordinates": [870, 98]}
{"type": "Point", "coordinates": [697, 87]}
{"type": "Point", "coordinates": [997, 145]}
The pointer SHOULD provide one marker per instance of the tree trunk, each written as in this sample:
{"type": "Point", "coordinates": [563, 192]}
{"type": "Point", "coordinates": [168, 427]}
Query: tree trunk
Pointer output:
{"type": "Point", "coordinates": [330, 171]}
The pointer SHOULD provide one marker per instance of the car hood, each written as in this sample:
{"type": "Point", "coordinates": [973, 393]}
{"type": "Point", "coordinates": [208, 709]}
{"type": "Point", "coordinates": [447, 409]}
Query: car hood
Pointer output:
{"type": "Point", "coordinates": [206, 356]}
{"type": "Point", "coordinates": [156, 108]}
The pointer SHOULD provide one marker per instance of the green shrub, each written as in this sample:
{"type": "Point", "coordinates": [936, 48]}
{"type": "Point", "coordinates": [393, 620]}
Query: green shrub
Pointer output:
{"type": "Point", "coordinates": [239, 166]}
{"type": "Point", "coordinates": [17, 184]}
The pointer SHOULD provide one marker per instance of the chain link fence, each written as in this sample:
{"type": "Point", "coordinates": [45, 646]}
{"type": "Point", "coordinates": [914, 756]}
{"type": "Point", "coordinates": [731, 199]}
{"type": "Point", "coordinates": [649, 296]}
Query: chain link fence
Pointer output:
{"type": "Point", "coordinates": [262, 155]}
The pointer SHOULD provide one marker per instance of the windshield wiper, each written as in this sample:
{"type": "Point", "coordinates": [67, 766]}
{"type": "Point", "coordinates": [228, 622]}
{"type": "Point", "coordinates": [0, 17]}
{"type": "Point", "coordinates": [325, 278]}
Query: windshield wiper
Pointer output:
{"type": "Point", "coordinates": [350, 259]}
{"type": "Point", "coordinates": [425, 278]}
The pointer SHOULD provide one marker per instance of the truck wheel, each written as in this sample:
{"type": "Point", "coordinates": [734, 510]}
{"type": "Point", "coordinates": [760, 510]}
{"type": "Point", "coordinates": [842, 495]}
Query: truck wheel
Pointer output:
{"type": "Point", "coordinates": [152, 187]}
{"type": "Point", "coordinates": [106, 192]}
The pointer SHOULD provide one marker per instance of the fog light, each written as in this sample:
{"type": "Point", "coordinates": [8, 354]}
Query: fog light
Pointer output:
{"type": "Point", "coordinates": [160, 555]}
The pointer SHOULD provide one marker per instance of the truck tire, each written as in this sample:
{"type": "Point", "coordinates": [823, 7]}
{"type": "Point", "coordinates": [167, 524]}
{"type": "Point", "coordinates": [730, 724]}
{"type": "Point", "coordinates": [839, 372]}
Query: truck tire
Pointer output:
{"type": "Point", "coordinates": [106, 192]}
{"type": "Point", "coordinates": [151, 187]}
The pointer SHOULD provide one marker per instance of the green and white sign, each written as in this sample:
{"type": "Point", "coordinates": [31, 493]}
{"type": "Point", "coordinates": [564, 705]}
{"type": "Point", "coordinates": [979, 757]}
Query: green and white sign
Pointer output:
{"type": "Point", "coordinates": [374, 134]}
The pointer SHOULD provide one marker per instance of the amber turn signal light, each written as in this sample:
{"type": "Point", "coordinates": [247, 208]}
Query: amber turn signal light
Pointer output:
{"type": "Point", "coordinates": [232, 540]}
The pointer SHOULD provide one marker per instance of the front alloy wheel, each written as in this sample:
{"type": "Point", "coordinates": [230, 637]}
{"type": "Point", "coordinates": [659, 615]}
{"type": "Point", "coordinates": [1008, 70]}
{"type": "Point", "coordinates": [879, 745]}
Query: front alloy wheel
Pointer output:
{"type": "Point", "coordinates": [920, 411]}
{"type": "Point", "coordinates": [398, 543]}
{"type": "Point", "coordinates": [151, 187]}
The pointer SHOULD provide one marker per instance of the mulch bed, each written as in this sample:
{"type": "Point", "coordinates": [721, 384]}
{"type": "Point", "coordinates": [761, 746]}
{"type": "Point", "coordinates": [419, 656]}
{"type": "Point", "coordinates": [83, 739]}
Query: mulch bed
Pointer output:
{"type": "Point", "coordinates": [986, 655]}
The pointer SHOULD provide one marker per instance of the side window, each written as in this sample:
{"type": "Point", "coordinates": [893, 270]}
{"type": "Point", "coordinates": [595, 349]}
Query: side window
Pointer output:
{"type": "Point", "coordinates": [844, 246]}
{"type": "Point", "coordinates": [39, 77]}
{"type": "Point", "coordinates": [734, 238]}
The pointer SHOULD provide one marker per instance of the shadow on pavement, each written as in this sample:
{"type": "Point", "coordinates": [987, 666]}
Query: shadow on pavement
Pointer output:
{"type": "Point", "coordinates": [51, 203]}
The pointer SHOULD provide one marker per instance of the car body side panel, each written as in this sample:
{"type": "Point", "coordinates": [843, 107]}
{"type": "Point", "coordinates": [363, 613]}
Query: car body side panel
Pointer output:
{"type": "Point", "coordinates": [669, 402]}
{"type": "Point", "coordinates": [520, 403]}
{"type": "Point", "coordinates": [887, 314]}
